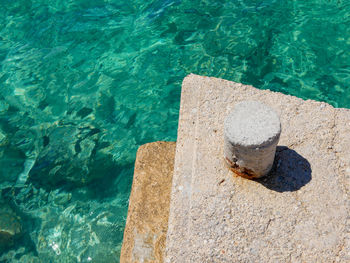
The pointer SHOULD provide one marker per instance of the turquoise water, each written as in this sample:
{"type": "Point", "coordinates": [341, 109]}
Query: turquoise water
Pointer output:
{"type": "Point", "coordinates": [84, 83]}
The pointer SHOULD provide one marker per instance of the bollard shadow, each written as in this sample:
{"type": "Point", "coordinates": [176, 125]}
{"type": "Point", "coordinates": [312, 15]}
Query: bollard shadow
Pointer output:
{"type": "Point", "coordinates": [290, 171]}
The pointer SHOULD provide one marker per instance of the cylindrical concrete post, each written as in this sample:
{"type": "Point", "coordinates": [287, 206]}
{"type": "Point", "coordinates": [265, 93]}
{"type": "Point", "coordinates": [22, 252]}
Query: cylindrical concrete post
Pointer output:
{"type": "Point", "coordinates": [252, 131]}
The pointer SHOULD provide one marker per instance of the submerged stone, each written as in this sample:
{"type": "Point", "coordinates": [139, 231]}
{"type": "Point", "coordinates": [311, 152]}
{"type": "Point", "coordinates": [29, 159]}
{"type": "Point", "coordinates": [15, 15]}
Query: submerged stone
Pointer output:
{"type": "Point", "coordinates": [10, 226]}
{"type": "Point", "coordinates": [11, 165]}
{"type": "Point", "coordinates": [2, 138]}
{"type": "Point", "coordinates": [72, 154]}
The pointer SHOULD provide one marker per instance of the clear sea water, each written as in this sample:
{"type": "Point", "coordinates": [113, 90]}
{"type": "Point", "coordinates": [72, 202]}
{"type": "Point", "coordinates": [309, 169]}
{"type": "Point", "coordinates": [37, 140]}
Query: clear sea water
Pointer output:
{"type": "Point", "coordinates": [83, 83]}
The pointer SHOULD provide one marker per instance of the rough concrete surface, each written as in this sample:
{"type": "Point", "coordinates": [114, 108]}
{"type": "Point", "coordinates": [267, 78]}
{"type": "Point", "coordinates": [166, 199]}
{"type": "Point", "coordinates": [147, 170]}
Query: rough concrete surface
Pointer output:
{"type": "Point", "coordinates": [299, 213]}
{"type": "Point", "coordinates": [252, 124]}
{"type": "Point", "coordinates": [147, 221]}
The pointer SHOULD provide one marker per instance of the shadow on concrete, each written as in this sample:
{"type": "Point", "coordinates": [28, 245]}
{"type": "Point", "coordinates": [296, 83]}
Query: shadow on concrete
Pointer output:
{"type": "Point", "coordinates": [290, 171]}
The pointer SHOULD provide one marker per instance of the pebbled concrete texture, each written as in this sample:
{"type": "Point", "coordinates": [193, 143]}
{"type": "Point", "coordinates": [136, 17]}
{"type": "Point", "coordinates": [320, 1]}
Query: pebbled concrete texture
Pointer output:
{"type": "Point", "coordinates": [252, 124]}
{"type": "Point", "coordinates": [299, 213]}
{"type": "Point", "coordinates": [147, 221]}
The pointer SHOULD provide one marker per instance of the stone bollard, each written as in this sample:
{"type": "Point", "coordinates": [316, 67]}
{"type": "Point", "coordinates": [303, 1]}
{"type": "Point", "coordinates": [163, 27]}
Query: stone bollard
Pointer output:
{"type": "Point", "coordinates": [251, 134]}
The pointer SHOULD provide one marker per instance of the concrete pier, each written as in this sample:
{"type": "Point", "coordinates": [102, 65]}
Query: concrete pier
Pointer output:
{"type": "Point", "coordinates": [299, 213]}
{"type": "Point", "coordinates": [147, 221]}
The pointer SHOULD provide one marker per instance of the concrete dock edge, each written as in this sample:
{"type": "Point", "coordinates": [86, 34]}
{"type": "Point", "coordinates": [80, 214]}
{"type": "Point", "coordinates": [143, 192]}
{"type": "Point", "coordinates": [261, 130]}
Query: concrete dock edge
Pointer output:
{"type": "Point", "coordinates": [299, 213]}
{"type": "Point", "coordinates": [147, 221]}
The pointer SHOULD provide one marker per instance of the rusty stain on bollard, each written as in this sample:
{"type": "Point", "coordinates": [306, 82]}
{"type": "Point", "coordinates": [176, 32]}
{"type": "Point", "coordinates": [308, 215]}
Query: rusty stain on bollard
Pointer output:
{"type": "Point", "coordinates": [241, 171]}
{"type": "Point", "coordinates": [252, 131]}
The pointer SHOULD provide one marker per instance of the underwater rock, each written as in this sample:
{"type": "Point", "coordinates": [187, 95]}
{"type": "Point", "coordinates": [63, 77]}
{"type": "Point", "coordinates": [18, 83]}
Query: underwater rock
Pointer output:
{"type": "Point", "coordinates": [11, 165]}
{"type": "Point", "coordinates": [72, 154]}
{"type": "Point", "coordinates": [80, 233]}
{"type": "Point", "coordinates": [10, 226]}
{"type": "Point", "coordinates": [3, 140]}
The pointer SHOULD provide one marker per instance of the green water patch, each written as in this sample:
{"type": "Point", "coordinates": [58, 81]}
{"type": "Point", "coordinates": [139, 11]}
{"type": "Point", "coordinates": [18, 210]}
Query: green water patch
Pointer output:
{"type": "Point", "coordinates": [84, 83]}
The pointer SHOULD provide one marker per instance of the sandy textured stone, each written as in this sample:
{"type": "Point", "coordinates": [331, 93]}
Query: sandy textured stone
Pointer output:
{"type": "Point", "coordinates": [299, 213]}
{"type": "Point", "coordinates": [147, 222]}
